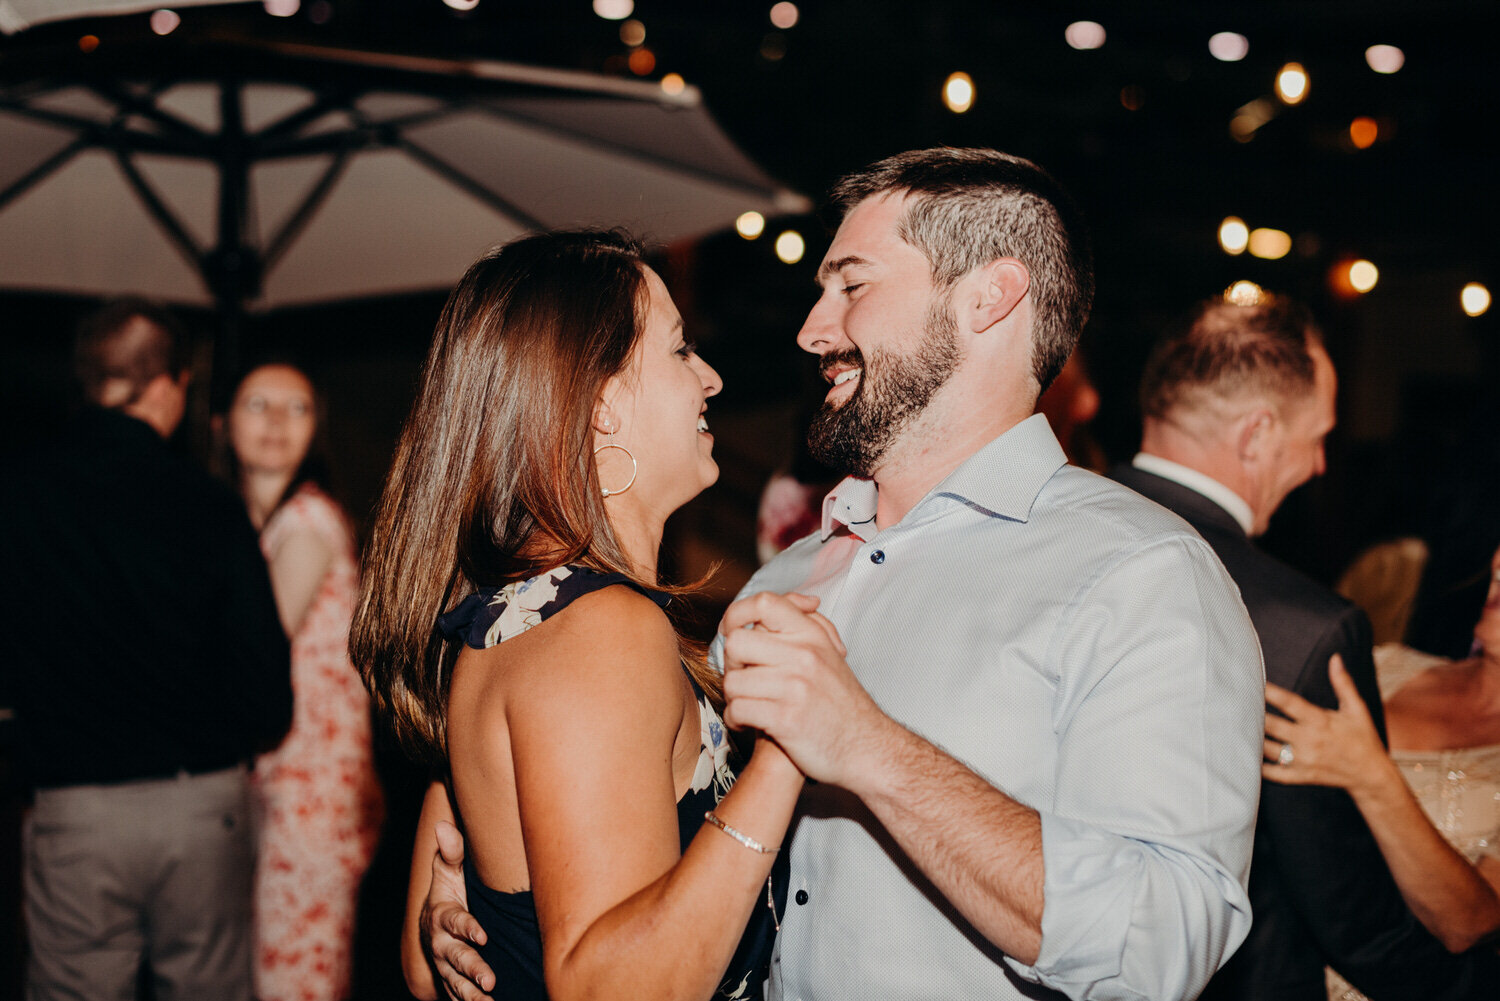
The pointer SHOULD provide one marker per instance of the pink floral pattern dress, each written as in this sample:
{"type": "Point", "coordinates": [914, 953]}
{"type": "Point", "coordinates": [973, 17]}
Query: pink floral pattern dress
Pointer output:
{"type": "Point", "coordinates": [320, 799]}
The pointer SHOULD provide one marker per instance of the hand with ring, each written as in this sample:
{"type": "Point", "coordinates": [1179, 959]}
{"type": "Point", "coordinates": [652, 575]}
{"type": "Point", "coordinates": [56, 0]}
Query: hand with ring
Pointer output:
{"type": "Point", "coordinates": [1339, 748]}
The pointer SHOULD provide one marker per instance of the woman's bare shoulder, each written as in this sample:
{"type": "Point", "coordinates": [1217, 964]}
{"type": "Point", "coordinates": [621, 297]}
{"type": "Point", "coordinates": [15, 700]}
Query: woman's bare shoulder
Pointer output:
{"type": "Point", "coordinates": [608, 644]}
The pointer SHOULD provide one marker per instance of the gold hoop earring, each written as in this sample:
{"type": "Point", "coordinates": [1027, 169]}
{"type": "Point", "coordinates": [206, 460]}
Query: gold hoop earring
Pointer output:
{"type": "Point", "coordinates": [633, 467]}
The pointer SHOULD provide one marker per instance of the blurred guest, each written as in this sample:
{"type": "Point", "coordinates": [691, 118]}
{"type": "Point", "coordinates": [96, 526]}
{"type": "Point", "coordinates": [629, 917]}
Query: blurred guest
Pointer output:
{"type": "Point", "coordinates": [1236, 404]}
{"type": "Point", "coordinates": [320, 798]}
{"type": "Point", "coordinates": [1433, 803]}
{"type": "Point", "coordinates": [146, 665]}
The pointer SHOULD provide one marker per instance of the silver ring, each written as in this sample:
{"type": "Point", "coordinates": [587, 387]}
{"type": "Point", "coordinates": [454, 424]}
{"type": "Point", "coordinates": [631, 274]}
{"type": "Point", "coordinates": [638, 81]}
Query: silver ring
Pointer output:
{"type": "Point", "coordinates": [1285, 757]}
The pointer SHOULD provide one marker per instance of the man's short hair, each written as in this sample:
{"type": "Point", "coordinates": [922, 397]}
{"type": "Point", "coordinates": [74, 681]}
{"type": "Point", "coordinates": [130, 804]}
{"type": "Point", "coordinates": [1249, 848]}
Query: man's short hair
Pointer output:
{"type": "Point", "coordinates": [1224, 351]}
{"type": "Point", "coordinates": [972, 206]}
{"type": "Point", "coordinates": [122, 346]}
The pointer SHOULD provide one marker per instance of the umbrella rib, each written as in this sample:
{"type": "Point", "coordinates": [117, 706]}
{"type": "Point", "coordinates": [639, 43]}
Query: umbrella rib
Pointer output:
{"type": "Point", "coordinates": [458, 178]}
{"type": "Point", "coordinates": [310, 205]}
{"type": "Point", "coordinates": [42, 169]}
{"type": "Point", "coordinates": [129, 103]}
{"type": "Point", "coordinates": [177, 235]}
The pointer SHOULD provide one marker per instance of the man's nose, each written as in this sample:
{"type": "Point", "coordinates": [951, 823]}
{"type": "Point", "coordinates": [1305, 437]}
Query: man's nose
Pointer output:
{"type": "Point", "coordinates": [820, 331]}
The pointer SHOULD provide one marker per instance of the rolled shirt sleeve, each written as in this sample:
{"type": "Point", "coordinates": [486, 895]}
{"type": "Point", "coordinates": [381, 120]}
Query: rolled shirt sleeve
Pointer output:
{"type": "Point", "coordinates": [1146, 843]}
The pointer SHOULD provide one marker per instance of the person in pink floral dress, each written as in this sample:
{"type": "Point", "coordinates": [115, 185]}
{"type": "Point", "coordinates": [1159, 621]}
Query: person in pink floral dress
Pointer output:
{"type": "Point", "coordinates": [318, 792]}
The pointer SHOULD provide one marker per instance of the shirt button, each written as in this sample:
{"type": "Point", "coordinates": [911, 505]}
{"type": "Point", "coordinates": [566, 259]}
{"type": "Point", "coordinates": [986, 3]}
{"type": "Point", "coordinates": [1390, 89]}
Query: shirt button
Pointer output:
{"type": "Point", "coordinates": [877, 557]}
{"type": "Point", "coordinates": [801, 897]}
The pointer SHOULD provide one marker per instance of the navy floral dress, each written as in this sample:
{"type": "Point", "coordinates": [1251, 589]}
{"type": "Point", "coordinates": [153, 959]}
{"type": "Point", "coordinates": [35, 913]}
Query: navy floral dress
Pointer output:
{"type": "Point", "coordinates": [514, 946]}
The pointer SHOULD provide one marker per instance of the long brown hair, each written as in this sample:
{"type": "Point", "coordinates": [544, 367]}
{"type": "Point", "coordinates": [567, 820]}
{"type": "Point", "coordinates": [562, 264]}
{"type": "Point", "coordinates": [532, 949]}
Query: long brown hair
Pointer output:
{"type": "Point", "coordinates": [493, 479]}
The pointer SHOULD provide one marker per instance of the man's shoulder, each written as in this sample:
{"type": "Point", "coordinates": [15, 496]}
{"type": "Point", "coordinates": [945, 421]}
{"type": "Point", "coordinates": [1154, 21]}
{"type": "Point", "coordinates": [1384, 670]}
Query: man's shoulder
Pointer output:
{"type": "Point", "coordinates": [1092, 503]}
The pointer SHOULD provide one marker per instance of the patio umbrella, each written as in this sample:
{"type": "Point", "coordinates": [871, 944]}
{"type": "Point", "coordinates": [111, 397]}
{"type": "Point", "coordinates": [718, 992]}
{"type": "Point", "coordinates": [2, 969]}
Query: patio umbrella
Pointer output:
{"type": "Point", "coordinates": [252, 176]}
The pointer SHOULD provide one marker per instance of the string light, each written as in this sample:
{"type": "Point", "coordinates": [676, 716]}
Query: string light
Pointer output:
{"type": "Point", "coordinates": [1084, 34]}
{"type": "Point", "coordinates": [642, 61]}
{"type": "Point", "coordinates": [750, 225]}
{"type": "Point", "coordinates": [632, 33]}
{"type": "Point", "coordinates": [164, 22]}
{"type": "Point", "coordinates": [958, 92]}
{"type": "Point", "coordinates": [1244, 293]}
{"type": "Point", "coordinates": [614, 10]}
{"type": "Point", "coordinates": [1292, 83]}
{"type": "Point", "coordinates": [784, 15]}
{"type": "Point", "coordinates": [1385, 58]}
{"type": "Point", "coordinates": [1229, 46]}
{"type": "Point", "coordinates": [790, 247]}
{"type": "Point", "coordinates": [285, 8]}
{"type": "Point", "coordinates": [1363, 132]}
{"type": "Point", "coordinates": [462, 4]}
{"type": "Point", "coordinates": [88, 43]}
{"type": "Point", "coordinates": [1269, 244]}
{"type": "Point", "coordinates": [1234, 235]}
{"type": "Point", "coordinates": [1363, 275]}
{"type": "Point", "coordinates": [1475, 299]}
{"type": "Point", "coordinates": [673, 83]}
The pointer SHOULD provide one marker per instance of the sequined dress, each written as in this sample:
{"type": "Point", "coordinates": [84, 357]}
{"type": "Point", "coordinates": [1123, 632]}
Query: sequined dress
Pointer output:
{"type": "Point", "coordinates": [514, 946]}
{"type": "Point", "coordinates": [1459, 790]}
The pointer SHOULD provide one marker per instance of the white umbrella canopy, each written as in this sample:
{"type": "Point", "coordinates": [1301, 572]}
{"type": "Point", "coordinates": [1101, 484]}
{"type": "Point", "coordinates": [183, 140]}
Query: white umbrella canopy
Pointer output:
{"type": "Point", "coordinates": [269, 176]}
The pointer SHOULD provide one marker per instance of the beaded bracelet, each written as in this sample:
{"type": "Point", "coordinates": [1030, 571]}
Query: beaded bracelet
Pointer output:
{"type": "Point", "coordinates": [740, 836]}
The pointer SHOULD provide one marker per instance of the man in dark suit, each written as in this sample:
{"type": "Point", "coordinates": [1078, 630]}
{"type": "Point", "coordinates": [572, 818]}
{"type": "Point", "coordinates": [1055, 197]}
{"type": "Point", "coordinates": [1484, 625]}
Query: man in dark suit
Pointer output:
{"type": "Point", "coordinates": [1235, 407]}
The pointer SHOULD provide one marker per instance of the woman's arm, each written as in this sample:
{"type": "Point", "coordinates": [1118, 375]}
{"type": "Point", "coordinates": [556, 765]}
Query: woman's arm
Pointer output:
{"type": "Point", "coordinates": [436, 865]}
{"type": "Point", "coordinates": [589, 729]}
{"type": "Point", "coordinates": [297, 567]}
{"type": "Point", "coordinates": [1342, 749]}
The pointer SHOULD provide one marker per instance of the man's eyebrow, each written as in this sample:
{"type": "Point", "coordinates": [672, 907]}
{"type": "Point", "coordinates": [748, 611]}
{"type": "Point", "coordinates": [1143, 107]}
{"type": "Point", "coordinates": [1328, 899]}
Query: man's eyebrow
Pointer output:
{"type": "Point", "coordinates": [831, 268]}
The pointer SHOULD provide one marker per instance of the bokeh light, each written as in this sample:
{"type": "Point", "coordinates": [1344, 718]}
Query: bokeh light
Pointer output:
{"type": "Point", "coordinates": [1132, 97]}
{"type": "Point", "coordinates": [773, 47]}
{"type": "Point", "coordinates": [1229, 46]}
{"type": "Point", "coordinates": [1085, 34]}
{"type": "Point", "coordinates": [1363, 275]}
{"type": "Point", "coordinates": [784, 15]}
{"type": "Point", "coordinates": [614, 10]}
{"type": "Point", "coordinates": [164, 22]}
{"type": "Point", "coordinates": [1292, 83]}
{"type": "Point", "coordinates": [1269, 244]}
{"type": "Point", "coordinates": [1244, 293]}
{"type": "Point", "coordinates": [1363, 132]}
{"type": "Point", "coordinates": [750, 225]}
{"type": "Point", "coordinates": [1475, 299]}
{"type": "Point", "coordinates": [673, 84]}
{"type": "Point", "coordinates": [642, 61]}
{"type": "Point", "coordinates": [632, 32]}
{"type": "Point", "coordinates": [88, 43]}
{"type": "Point", "coordinates": [790, 247]}
{"type": "Point", "coordinates": [1385, 58]}
{"type": "Point", "coordinates": [1234, 235]}
{"type": "Point", "coordinates": [462, 4]}
{"type": "Point", "coordinates": [958, 92]}
{"type": "Point", "coordinates": [285, 8]}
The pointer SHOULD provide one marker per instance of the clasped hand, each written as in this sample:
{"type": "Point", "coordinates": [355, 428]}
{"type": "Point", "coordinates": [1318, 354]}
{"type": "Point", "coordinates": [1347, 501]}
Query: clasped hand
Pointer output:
{"type": "Point", "coordinates": [785, 675]}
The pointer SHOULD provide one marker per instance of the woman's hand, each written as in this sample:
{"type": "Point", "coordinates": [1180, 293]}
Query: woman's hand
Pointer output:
{"type": "Point", "coordinates": [1313, 746]}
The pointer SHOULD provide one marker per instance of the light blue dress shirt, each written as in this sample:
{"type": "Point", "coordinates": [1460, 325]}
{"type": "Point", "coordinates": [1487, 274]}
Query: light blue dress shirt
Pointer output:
{"type": "Point", "coordinates": [1083, 650]}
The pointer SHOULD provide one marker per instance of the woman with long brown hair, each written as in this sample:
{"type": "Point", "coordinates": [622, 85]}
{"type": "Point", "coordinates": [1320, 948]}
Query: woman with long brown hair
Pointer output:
{"type": "Point", "coordinates": [514, 630]}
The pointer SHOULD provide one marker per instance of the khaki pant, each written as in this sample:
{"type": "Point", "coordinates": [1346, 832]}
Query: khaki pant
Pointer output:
{"type": "Point", "coordinates": [158, 871]}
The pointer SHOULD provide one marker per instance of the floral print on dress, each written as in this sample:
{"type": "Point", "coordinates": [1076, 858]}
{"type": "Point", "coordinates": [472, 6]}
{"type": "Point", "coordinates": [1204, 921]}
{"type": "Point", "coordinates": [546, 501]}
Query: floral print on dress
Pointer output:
{"type": "Point", "coordinates": [713, 759]}
{"type": "Point", "coordinates": [520, 604]}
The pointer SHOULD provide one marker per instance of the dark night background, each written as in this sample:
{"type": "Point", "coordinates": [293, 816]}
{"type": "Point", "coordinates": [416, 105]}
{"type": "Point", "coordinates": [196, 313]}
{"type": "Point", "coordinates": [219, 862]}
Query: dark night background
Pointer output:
{"type": "Point", "coordinates": [1138, 130]}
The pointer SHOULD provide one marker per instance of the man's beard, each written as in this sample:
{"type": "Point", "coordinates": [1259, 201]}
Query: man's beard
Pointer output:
{"type": "Point", "coordinates": [893, 390]}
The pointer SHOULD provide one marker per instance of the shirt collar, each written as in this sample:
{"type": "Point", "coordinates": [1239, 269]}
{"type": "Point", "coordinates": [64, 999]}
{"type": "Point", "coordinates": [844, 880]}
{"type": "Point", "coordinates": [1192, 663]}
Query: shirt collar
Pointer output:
{"type": "Point", "coordinates": [1198, 483]}
{"type": "Point", "coordinates": [1004, 478]}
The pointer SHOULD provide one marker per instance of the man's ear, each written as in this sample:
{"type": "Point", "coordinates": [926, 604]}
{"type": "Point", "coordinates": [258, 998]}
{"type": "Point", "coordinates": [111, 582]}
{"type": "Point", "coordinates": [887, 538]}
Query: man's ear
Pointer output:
{"type": "Point", "coordinates": [1253, 434]}
{"type": "Point", "coordinates": [998, 289]}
